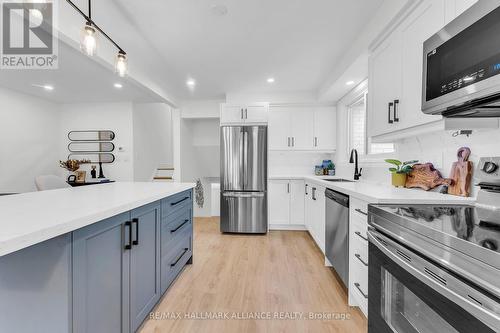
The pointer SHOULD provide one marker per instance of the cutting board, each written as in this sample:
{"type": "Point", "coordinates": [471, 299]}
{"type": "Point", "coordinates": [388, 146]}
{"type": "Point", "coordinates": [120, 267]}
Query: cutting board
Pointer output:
{"type": "Point", "coordinates": [426, 177]}
{"type": "Point", "coordinates": [461, 174]}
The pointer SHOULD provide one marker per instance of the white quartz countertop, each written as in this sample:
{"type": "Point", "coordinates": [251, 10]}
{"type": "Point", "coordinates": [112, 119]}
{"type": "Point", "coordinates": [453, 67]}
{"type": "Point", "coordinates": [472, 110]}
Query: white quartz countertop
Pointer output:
{"type": "Point", "coordinates": [380, 193]}
{"type": "Point", "coordinates": [30, 218]}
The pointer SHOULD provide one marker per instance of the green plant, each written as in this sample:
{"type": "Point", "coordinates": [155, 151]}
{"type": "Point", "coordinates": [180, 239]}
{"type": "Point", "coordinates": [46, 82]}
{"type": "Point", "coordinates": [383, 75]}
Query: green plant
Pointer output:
{"type": "Point", "coordinates": [401, 167]}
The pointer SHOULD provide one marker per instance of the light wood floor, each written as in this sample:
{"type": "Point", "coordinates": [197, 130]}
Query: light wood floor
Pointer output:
{"type": "Point", "coordinates": [282, 271]}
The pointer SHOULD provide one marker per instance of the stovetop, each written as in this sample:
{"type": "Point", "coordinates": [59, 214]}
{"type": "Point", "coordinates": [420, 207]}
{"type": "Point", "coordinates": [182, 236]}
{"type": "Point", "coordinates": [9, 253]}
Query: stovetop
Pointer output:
{"type": "Point", "coordinates": [476, 225]}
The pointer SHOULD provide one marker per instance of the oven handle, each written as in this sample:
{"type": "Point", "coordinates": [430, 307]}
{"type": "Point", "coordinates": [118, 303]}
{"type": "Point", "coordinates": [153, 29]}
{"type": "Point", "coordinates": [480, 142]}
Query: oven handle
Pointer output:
{"type": "Point", "coordinates": [490, 318]}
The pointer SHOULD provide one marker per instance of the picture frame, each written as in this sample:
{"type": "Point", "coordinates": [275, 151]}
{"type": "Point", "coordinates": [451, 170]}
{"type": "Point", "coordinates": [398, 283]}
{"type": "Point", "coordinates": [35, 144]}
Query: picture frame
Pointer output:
{"type": "Point", "coordinates": [80, 176]}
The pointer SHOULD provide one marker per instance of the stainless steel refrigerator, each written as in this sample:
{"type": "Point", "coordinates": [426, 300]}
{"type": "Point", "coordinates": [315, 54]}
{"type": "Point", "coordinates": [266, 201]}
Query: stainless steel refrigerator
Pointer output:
{"type": "Point", "coordinates": [243, 206]}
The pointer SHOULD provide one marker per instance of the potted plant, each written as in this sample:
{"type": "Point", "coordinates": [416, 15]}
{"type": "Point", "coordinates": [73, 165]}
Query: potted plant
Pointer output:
{"type": "Point", "coordinates": [400, 171]}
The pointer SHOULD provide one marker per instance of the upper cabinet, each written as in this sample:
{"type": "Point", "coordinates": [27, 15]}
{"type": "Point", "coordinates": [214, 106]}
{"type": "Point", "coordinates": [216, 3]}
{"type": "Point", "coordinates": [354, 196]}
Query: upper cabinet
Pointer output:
{"type": "Point", "coordinates": [302, 128]}
{"type": "Point", "coordinates": [395, 68]}
{"type": "Point", "coordinates": [241, 114]}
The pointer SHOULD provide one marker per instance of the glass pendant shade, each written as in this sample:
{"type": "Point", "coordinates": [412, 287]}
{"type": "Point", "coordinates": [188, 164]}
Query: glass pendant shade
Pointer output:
{"type": "Point", "coordinates": [88, 43]}
{"type": "Point", "coordinates": [121, 64]}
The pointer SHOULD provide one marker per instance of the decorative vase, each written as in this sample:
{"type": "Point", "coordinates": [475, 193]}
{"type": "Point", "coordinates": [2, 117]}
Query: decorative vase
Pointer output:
{"type": "Point", "coordinates": [398, 179]}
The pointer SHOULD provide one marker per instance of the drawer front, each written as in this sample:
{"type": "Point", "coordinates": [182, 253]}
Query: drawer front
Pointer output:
{"type": "Point", "coordinates": [176, 202]}
{"type": "Point", "coordinates": [358, 231]}
{"type": "Point", "coordinates": [359, 208]}
{"type": "Point", "coordinates": [358, 284]}
{"type": "Point", "coordinates": [176, 258]}
{"type": "Point", "coordinates": [174, 227]}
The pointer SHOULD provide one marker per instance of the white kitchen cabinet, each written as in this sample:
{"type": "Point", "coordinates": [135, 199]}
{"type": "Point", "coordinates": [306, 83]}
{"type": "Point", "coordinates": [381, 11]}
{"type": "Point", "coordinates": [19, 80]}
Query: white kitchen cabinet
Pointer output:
{"type": "Point", "coordinates": [325, 124]}
{"type": "Point", "coordinates": [308, 206]}
{"type": "Point", "coordinates": [425, 21]}
{"type": "Point", "coordinates": [384, 86]}
{"type": "Point", "coordinates": [279, 201]}
{"type": "Point", "coordinates": [241, 114]}
{"type": "Point", "coordinates": [302, 128]}
{"type": "Point", "coordinates": [286, 203]}
{"type": "Point", "coordinates": [358, 254]}
{"type": "Point", "coordinates": [315, 206]}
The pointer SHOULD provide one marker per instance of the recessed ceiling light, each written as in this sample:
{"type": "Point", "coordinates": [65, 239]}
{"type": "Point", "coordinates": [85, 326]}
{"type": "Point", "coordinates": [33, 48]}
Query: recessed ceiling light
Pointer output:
{"type": "Point", "coordinates": [191, 83]}
{"type": "Point", "coordinates": [270, 80]}
{"type": "Point", "coordinates": [118, 85]}
{"type": "Point", "coordinates": [349, 83]}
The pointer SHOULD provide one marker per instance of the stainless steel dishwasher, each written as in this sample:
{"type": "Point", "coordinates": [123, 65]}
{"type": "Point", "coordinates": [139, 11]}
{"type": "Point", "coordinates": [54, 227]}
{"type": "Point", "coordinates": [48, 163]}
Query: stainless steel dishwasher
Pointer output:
{"type": "Point", "coordinates": [337, 232]}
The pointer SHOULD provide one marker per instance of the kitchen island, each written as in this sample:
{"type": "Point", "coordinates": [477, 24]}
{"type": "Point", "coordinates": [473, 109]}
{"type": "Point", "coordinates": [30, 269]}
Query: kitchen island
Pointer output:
{"type": "Point", "coordinates": [91, 259]}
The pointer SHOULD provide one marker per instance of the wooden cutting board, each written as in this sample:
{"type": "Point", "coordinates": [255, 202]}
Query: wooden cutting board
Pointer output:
{"type": "Point", "coordinates": [461, 174]}
{"type": "Point", "coordinates": [426, 177]}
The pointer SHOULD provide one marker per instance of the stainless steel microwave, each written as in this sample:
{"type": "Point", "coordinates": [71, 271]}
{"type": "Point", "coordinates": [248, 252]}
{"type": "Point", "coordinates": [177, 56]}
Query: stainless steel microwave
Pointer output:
{"type": "Point", "coordinates": [461, 72]}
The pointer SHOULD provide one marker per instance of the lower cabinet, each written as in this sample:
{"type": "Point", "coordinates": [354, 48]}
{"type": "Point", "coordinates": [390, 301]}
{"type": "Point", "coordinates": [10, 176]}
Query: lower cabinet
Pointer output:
{"type": "Point", "coordinates": [286, 203]}
{"type": "Point", "coordinates": [119, 271]}
{"type": "Point", "coordinates": [315, 206]}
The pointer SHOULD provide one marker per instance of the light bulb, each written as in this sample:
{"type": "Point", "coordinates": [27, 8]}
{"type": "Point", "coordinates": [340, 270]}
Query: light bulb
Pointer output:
{"type": "Point", "coordinates": [88, 43]}
{"type": "Point", "coordinates": [121, 64]}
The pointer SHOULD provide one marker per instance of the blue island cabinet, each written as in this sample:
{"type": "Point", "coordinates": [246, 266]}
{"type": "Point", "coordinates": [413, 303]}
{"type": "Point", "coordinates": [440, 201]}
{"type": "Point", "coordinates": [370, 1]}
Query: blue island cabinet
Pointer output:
{"type": "Point", "coordinates": [118, 266]}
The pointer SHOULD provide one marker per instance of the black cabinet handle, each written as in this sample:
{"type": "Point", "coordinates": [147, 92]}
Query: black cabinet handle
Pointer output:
{"type": "Point", "coordinates": [179, 226]}
{"type": "Point", "coordinates": [178, 202]}
{"type": "Point", "coordinates": [306, 189]}
{"type": "Point", "coordinates": [357, 285]}
{"type": "Point", "coordinates": [128, 245]}
{"type": "Point", "coordinates": [241, 113]}
{"type": "Point", "coordinates": [390, 121]}
{"type": "Point", "coordinates": [136, 222]}
{"type": "Point", "coordinates": [360, 211]}
{"type": "Point", "coordinates": [362, 261]}
{"type": "Point", "coordinates": [180, 257]}
{"type": "Point", "coordinates": [314, 193]}
{"type": "Point", "coordinates": [360, 235]}
{"type": "Point", "coordinates": [396, 103]}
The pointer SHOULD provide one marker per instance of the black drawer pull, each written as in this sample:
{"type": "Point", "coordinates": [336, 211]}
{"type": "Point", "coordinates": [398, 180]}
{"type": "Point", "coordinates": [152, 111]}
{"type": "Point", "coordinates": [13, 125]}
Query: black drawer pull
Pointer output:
{"type": "Point", "coordinates": [180, 257]}
{"type": "Point", "coordinates": [179, 226]}
{"type": "Point", "coordinates": [361, 212]}
{"type": "Point", "coordinates": [389, 120]}
{"type": "Point", "coordinates": [357, 285]}
{"type": "Point", "coordinates": [128, 245]}
{"type": "Point", "coordinates": [362, 261]}
{"type": "Point", "coordinates": [360, 235]}
{"type": "Point", "coordinates": [136, 240]}
{"type": "Point", "coordinates": [178, 202]}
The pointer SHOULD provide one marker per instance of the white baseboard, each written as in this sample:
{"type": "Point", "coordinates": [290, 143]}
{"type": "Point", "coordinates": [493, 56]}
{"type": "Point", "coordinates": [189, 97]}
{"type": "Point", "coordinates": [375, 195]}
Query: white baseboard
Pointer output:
{"type": "Point", "coordinates": [291, 227]}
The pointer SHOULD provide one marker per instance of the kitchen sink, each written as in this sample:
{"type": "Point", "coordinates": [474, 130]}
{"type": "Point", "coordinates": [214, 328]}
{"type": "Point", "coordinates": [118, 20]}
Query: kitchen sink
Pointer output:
{"type": "Point", "coordinates": [339, 180]}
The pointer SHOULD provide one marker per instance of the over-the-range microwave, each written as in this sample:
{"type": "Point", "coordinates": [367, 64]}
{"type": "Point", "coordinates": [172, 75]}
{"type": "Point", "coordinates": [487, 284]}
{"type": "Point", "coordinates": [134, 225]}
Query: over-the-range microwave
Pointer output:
{"type": "Point", "coordinates": [461, 72]}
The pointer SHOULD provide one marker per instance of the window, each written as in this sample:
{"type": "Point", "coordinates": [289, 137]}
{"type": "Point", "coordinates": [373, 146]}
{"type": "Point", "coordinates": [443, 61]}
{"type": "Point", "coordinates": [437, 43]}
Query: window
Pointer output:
{"type": "Point", "coordinates": [357, 130]}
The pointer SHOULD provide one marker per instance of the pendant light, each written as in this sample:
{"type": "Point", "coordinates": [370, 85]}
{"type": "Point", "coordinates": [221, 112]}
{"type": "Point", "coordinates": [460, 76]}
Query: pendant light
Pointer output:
{"type": "Point", "coordinates": [88, 41]}
{"type": "Point", "coordinates": [121, 63]}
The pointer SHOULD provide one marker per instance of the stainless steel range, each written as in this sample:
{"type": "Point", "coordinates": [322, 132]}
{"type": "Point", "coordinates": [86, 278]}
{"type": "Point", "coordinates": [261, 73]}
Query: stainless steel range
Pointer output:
{"type": "Point", "coordinates": [437, 268]}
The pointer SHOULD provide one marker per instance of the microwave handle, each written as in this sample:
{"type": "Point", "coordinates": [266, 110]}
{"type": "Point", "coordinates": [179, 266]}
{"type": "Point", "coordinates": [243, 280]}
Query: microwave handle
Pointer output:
{"type": "Point", "coordinates": [396, 105]}
{"type": "Point", "coordinates": [390, 121]}
{"type": "Point", "coordinates": [485, 315]}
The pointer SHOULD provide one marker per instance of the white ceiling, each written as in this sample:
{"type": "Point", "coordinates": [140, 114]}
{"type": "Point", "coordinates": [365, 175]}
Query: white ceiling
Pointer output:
{"type": "Point", "coordinates": [295, 41]}
{"type": "Point", "coordinates": [78, 79]}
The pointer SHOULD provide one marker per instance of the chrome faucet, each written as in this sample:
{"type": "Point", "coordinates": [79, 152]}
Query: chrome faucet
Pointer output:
{"type": "Point", "coordinates": [354, 159]}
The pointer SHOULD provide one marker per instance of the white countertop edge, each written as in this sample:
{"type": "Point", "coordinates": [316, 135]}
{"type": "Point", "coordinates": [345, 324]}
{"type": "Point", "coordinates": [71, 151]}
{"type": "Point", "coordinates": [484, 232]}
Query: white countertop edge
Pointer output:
{"type": "Point", "coordinates": [388, 193]}
{"type": "Point", "coordinates": [39, 235]}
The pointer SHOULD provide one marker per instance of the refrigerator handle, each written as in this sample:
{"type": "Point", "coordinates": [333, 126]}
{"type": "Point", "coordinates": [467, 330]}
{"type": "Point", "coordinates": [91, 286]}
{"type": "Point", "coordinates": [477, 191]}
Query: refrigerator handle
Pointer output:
{"type": "Point", "coordinates": [245, 158]}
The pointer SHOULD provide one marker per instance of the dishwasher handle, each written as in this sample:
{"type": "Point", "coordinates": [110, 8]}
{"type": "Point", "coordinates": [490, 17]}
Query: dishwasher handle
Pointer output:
{"type": "Point", "coordinates": [338, 197]}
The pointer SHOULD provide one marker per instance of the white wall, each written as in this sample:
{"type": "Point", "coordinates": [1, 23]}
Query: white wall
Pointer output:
{"type": "Point", "coordinates": [152, 135]}
{"type": "Point", "coordinates": [29, 140]}
{"type": "Point", "coordinates": [201, 109]}
{"type": "Point", "coordinates": [117, 117]}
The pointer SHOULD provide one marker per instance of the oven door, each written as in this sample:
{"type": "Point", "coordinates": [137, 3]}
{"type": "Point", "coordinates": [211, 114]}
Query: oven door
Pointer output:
{"type": "Point", "coordinates": [409, 294]}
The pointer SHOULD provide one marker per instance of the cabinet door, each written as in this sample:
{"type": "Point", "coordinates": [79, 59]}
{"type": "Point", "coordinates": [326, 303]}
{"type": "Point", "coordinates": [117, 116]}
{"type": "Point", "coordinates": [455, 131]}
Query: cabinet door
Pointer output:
{"type": "Point", "coordinates": [297, 197]}
{"type": "Point", "coordinates": [426, 20]}
{"type": "Point", "coordinates": [320, 217]}
{"type": "Point", "coordinates": [308, 207]}
{"type": "Point", "coordinates": [231, 114]}
{"type": "Point", "coordinates": [279, 201]}
{"type": "Point", "coordinates": [101, 276]}
{"type": "Point", "coordinates": [256, 113]}
{"type": "Point", "coordinates": [144, 263]}
{"type": "Point", "coordinates": [279, 128]}
{"type": "Point", "coordinates": [301, 128]}
{"type": "Point", "coordinates": [384, 85]}
{"type": "Point", "coordinates": [325, 129]}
